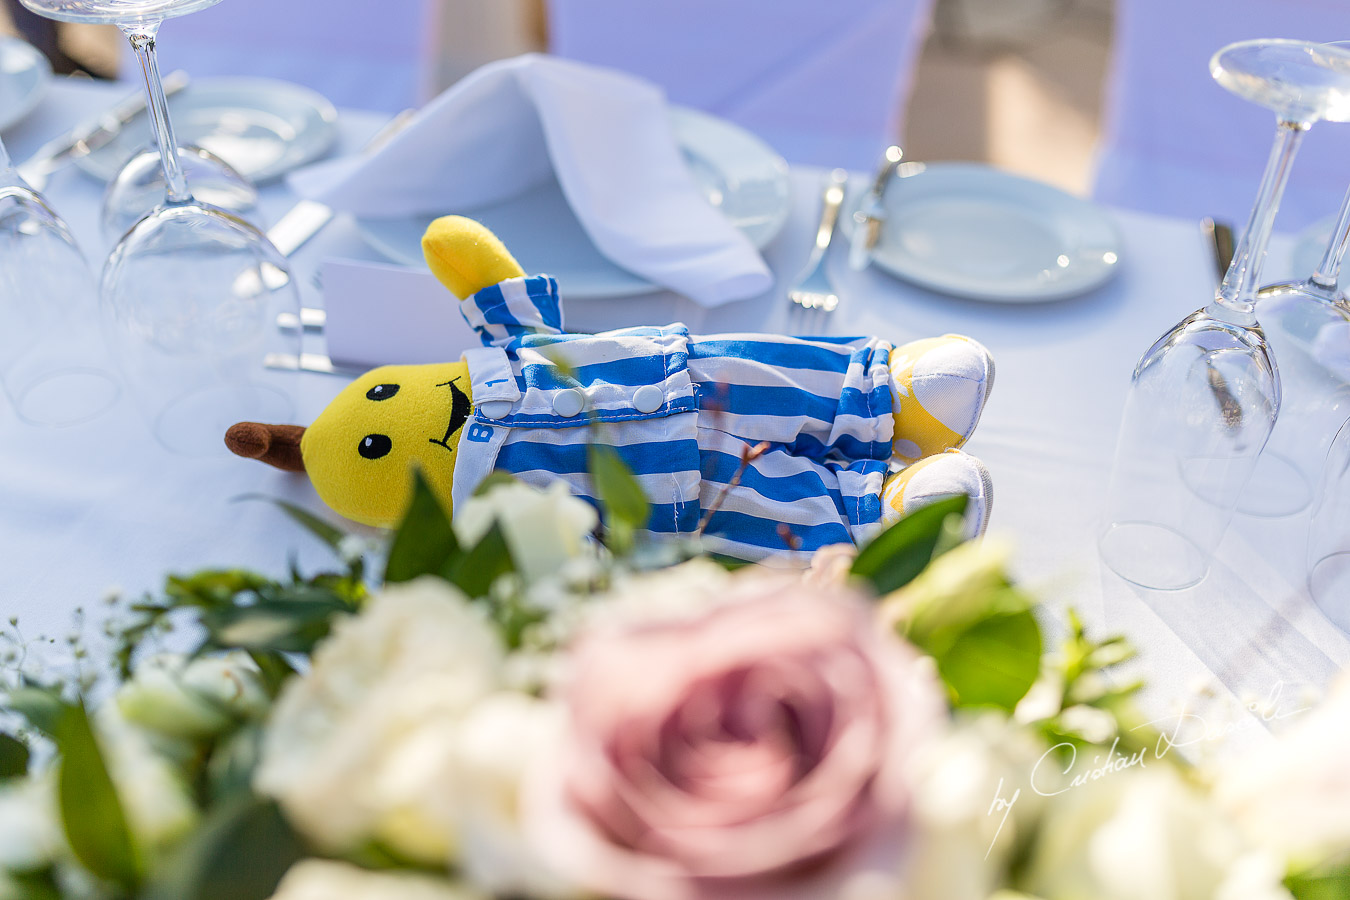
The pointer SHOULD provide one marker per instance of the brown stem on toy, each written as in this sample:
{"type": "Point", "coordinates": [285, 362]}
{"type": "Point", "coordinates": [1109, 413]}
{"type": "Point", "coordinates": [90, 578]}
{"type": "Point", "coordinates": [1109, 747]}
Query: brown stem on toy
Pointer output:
{"type": "Point", "coordinates": [276, 445]}
{"type": "Point", "coordinates": [748, 455]}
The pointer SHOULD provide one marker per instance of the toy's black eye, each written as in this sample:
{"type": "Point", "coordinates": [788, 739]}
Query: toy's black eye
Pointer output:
{"type": "Point", "coordinates": [382, 392]}
{"type": "Point", "coordinates": [373, 446]}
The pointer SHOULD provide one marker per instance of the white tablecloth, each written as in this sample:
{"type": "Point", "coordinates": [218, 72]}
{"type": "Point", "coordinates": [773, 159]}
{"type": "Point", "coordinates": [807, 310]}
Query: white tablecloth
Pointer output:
{"type": "Point", "coordinates": [102, 506]}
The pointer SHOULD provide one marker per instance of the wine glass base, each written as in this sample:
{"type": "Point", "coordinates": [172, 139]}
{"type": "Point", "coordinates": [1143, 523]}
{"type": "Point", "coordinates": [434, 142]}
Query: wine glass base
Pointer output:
{"type": "Point", "coordinates": [1329, 584]}
{"type": "Point", "coordinates": [67, 397]}
{"type": "Point", "coordinates": [1300, 80]}
{"type": "Point", "coordinates": [1277, 488]}
{"type": "Point", "coordinates": [115, 12]}
{"type": "Point", "coordinates": [1153, 556]}
{"type": "Point", "coordinates": [194, 424]}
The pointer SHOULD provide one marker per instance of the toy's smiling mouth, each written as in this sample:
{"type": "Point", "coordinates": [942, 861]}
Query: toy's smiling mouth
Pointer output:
{"type": "Point", "coordinates": [459, 414]}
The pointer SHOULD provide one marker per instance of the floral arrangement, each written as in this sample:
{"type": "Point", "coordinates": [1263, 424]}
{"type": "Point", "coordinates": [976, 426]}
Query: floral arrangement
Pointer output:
{"type": "Point", "coordinates": [533, 703]}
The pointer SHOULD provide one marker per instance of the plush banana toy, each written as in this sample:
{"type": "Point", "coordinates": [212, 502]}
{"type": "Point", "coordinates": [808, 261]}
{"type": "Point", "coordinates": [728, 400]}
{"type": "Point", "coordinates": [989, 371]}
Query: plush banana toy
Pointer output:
{"type": "Point", "coordinates": [778, 442]}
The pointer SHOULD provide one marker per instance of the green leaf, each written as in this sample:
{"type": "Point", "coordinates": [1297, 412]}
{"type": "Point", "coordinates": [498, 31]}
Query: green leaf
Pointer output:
{"type": "Point", "coordinates": [375, 855]}
{"type": "Point", "coordinates": [229, 772]}
{"type": "Point", "coordinates": [730, 563]}
{"type": "Point", "coordinates": [350, 589]}
{"type": "Point", "coordinates": [474, 572]}
{"type": "Point", "coordinates": [13, 757]}
{"type": "Point", "coordinates": [329, 534]}
{"type": "Point", "coordinates": [1080, 662]}
{"type": "Point", "coordinates": [425, 543]}
{"type": "Point", "coordinates": [1326, 883]}
{"type": "Point", "coordinates": [1111, 652]}
{"type": "Point", "coordinates": [897, 555]}
{"type": "Point", "coordinates": [214, 587]}
{"type": "Point", "coordinates": [34, 885]}
{"type": "Point", "coordinates": [286, 626]}
{"type": "Point", "coordinates": [91, 813]}
{"type": "Point", "coordinates": [239, 852]}
{"type": "Point", "coordinates": [993, 662]}
{"type": "Point", "coordinates": [625, 506]}
{"type": "Point", "coordinates": [275, 669]}
{"type": "Point", "coordinates": [42, 707]}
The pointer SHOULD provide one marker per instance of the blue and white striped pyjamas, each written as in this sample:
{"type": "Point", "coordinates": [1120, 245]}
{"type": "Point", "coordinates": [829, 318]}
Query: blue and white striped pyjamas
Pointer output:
{"type": "Point", "coordinates": [681, 411]}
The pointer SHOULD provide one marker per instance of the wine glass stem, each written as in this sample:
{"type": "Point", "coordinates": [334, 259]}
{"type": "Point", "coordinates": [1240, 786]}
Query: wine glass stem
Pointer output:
{"type": "Point", "coordinates": [142, 39]}
{"type": "Point", "coordinates": [1236, 298]}
{"type": "Point", "coordinates": [1329, 269]}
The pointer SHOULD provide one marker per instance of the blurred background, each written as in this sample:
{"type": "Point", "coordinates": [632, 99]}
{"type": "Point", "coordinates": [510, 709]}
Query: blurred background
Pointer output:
{"type": "Point", "coordinates": [1110, 99]}
{"type": "Point", "coordinates": [1016, 83]}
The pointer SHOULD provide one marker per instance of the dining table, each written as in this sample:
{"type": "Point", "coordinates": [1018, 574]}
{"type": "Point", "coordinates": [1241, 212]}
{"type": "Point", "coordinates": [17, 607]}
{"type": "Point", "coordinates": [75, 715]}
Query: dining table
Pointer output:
{"type": "Point", "coordinates": [100, 510]}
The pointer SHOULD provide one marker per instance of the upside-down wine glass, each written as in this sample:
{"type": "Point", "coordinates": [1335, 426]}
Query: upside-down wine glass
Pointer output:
{"type": "Point", "coordinates": [138, 187]}
{"type": "Point", "coordinates": [1307, 324]}
{"type": "Point", "coordinates": [53, 362]}
{"type": "Point", "coordinates": [189, 292]}
{"type": "Point", "coordinates": [1329, 534]}
{"type": "Point", "coordinates": [1204, 398]}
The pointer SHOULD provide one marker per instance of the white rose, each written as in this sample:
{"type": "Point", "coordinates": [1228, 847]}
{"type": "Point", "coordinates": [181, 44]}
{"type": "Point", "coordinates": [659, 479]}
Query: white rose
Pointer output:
{"type": "Point", "coordinates": [499, 742]}
{"type": "Point", "coordinates": [192, 700]}
{"type": "Point", "coordinates": [321, 879]}
{"type": "Point", "coordinates": [155, 799]}
{"type": "Point", "coordinates": [30, 825]}
{"type": "Point", "coordinates": [155, 796]}
{"type": "Point", "coordinates": [973, 804]}
{"type": "Point", "coordinates": [543, 528]}
{"type": "Point", "coordinates": [467, 773]}
{"type": "Point", "coordinates": [1141, 834]}
{"type": "Point", "coordinates": [1292, 794]}
{"type": "Point", "coordinates": [353, 746]}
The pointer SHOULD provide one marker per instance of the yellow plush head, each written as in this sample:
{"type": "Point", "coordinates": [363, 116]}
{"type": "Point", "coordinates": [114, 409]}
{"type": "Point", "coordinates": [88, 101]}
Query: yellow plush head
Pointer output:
{"type": "Point", "coordinates": [360, 452]}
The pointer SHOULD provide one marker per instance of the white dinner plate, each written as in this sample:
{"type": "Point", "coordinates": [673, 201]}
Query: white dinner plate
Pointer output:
{"type": "Point", "coordinates": [262, 127]}
{"type": "Point", "coordinates": [24, 76]}
{"type": "Point", "coordinates": [738, 173]}
{"type": "Point", "coordinates": [972, 231]}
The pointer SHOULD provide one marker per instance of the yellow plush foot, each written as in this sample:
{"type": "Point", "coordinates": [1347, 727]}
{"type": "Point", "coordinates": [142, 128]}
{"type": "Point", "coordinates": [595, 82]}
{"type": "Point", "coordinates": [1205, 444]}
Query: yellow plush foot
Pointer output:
{"type": "Point", "coordinates": [938, 476]}
{"type": "Point", "coordinates": [466, 257]}
{"type": "Point", "coordinates": [938, 390]}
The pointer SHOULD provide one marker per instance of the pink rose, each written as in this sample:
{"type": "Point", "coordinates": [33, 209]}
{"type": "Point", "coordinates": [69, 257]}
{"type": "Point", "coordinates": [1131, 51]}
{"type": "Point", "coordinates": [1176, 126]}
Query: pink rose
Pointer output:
{"type": "Point", "coordinates": [757, 748]}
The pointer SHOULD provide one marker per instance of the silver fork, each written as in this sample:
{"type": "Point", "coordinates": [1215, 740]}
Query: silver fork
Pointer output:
{"type": "Point", "coordinates": [813, 297]}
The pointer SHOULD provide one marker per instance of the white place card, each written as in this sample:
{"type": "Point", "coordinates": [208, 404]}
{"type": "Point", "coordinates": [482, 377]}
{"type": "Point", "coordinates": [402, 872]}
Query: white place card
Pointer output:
{"type": "Point", "coordinates": [382, 314]}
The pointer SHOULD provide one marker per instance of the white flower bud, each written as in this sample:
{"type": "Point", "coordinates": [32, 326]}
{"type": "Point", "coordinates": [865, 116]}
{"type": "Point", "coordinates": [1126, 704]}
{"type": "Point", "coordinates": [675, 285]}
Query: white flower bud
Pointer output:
{"type": "Point", "coordinates": [543, 528]}
{"type": "Point", "coordinates": [192, 700]}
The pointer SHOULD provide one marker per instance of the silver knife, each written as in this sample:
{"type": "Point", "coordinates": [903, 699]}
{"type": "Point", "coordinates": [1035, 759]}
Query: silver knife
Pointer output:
{"type": "Point", "coordinates": [870, 214]}
{"type": "Point", "coordinates": [307, 218]}
{"type": "Point", "coordinates": [311, 318]}
{"type": "Point", "coordinates": [89, 136]}
{"type": "Point", "coordinates": [1220, 236]}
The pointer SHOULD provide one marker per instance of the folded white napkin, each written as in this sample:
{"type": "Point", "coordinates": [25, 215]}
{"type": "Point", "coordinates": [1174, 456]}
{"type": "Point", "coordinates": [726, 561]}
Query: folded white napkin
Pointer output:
{"type": "Point", "coordinates": [605, 136]}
